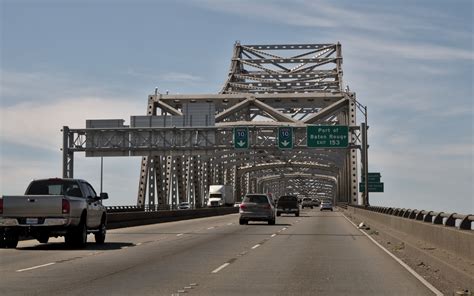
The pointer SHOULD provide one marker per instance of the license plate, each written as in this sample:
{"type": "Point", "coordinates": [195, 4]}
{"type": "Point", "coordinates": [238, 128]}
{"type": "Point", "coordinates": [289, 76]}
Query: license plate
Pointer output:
{"type": "Point", "coordinates": [31, 220]}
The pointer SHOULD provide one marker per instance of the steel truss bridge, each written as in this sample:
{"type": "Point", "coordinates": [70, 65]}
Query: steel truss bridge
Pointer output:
{"type": "Point", "coordinates": [268, 86]}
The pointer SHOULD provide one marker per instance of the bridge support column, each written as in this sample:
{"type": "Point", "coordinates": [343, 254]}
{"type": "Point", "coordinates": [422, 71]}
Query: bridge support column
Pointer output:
{"type": "Point", "coordinates": [151, 182]}
{"type": "Point", "coordinates": [160, 173]}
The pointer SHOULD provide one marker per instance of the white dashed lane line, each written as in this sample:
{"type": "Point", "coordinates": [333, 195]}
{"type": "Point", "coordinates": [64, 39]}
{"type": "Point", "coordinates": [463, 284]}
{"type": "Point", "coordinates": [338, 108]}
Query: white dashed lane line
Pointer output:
{"type": "Point", "coordinates": [180, 234]}
{"type": "Point", "coordinates": [35, 267]}
{"type": "Point", "coordinates": [273, 235]}
{"type": "Point", "coordinates": [220, 267]}
{"type": "Point", "coordinates": [256, 246]}
{"type": "Point", "coordinates": [211, 228]}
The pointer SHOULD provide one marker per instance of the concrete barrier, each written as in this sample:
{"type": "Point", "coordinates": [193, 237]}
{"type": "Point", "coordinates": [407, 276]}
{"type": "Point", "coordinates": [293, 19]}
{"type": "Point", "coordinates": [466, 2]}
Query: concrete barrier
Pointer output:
{"type": "Point", "coordinates": [119, 220]}
{"type": "Point", "coordinates": [457, 241]}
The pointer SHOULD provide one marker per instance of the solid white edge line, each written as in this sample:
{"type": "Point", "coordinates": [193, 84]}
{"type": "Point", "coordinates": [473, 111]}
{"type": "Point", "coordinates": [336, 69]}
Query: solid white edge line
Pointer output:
{"type": "Point", "coordinates": [35, 267]}
{"type": "Point", "coordinates": [256, 246]}
{"type": "Point", "coordinates": [220, 267]}
{"type": "Point", "coordinates": [410, 270]}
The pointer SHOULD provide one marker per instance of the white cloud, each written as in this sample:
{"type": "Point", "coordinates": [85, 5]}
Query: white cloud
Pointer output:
{"type": "Point", "coordinates": [38, 124]}
{"type": "Point", "coordinates": [180, 77]}
{"type": "Point", "coordinates": [167, 77]}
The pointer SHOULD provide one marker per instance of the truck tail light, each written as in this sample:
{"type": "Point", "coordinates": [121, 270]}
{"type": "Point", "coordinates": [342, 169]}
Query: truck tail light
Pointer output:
{"type": "Point", "coordinates": [66, 206]}
{"type": "Point", "coordinates": [1, 206]}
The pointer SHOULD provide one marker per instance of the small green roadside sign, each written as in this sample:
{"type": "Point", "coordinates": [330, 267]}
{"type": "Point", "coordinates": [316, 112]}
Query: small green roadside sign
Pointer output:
{"type": "Point", "coordinates": [373, 187]}
{"type": "Point", "coordinates": [371, 178]}
{"type": "Point", "coordinates": [285, 137]}
{"type": "Point", "coordinates": [241, 137]}
{"type": "Point", "coordinates": [327, 136]}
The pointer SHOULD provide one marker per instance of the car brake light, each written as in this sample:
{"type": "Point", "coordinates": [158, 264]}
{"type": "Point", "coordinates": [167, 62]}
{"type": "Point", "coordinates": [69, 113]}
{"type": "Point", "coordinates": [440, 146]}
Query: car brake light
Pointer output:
{"type": "Point", "coordinates": [242, 206]}
{"type": "Point", "coordinates": [1, 206]}
{"type": "Point", "coordinates": [66, 206]}
{"type": "Point", "coordinates": [267, 206]}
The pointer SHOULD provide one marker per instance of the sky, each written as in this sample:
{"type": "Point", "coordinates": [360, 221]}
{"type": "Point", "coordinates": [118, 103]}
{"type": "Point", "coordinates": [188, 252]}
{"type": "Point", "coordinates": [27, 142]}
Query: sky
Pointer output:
{"type": "Point", "coordinates": [410, 62]}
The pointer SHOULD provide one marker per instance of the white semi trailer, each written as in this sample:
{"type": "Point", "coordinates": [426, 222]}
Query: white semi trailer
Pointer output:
{"type": "Point", "coordinates": [221, 195]}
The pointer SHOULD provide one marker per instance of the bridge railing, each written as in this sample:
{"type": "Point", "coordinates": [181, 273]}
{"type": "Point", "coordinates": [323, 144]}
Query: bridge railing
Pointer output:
{"type": "Point", "coordinates": [146, 208]}
{"type": "Point", "coordinates": [440, 218]}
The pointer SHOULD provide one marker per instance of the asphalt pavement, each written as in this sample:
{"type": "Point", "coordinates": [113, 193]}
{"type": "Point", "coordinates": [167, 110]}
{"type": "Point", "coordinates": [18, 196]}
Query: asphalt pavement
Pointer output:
{"type": "Point", "coordinates": [318, 253]}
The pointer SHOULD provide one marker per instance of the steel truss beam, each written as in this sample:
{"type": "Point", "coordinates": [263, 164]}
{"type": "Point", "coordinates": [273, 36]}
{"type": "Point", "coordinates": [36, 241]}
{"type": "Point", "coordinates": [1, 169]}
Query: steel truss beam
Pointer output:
{"type": "Point", "coordinates": [285, 85]}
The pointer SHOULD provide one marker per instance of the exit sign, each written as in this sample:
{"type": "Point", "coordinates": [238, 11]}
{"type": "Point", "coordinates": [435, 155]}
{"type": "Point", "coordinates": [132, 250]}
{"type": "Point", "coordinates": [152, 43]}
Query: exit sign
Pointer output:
{"type": "Point", "coordinates": [327, 136]}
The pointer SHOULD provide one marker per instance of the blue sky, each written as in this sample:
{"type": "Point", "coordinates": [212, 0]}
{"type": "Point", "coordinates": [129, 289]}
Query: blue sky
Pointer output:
{"type": "Point", "coordinates": [411, 62]}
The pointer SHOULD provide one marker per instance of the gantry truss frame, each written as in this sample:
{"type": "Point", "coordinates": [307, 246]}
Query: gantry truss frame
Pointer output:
{"type": "Point", "coordinates": [268, 86]}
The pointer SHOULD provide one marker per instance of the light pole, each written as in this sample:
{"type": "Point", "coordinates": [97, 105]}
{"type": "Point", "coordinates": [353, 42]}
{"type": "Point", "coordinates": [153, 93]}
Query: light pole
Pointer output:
{"type": "Point", "coordinates": [101, 172]}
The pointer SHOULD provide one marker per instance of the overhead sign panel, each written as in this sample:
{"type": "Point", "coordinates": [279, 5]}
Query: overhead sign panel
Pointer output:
{"type": "Point", "coordinates": [285, 137]}
{"type": "Point", "coordinates": [241, 137]}
{"type": "Point", "coordinates": [327, 136]}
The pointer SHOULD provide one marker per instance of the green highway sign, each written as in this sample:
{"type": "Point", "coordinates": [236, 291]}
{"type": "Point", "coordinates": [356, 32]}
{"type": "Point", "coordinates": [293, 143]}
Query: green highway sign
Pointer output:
{"type": "Point", "coordinates": [372, 179]}
{"type": "Point", "coordinates": [241, 137]}
{"type": "Point", "coordinates": [285, 137]}
{"type": "Point", "coordinates": [327, 136]}
{"type": "Point", "coordinates": [373, 187]}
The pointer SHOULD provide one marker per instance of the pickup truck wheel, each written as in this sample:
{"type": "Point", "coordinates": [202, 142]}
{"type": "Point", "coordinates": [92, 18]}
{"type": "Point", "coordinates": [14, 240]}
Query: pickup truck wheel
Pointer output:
{"type": "Point", "coordinates": [11, 240]}
{"type": "Point", "coordinates": [278, 214]}
{"type": "Point", "coordinates": [77, 237]}
{"type": "Point", "coordinates": [2, 238]}
{"type": "Point", "coordinates": [81, 235]}
{"type": "Point", "coordinates": [100, 236]}
{"type": "Point", "coordinates": [271, 222]}
{"type": "Point", "coordinates": [297, 214]}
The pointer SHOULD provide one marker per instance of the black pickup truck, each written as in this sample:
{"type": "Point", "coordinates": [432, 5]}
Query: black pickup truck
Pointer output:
{"type": "Point", "coordinates": [288, 204]}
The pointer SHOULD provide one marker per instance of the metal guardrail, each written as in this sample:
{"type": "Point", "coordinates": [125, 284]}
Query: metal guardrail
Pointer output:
{"type": "Point", "coordinates": [439, 218]}
{"type": "Point", "coordinates": [140, 217]}
{"type": "Point", "coordinates": [126, 209]}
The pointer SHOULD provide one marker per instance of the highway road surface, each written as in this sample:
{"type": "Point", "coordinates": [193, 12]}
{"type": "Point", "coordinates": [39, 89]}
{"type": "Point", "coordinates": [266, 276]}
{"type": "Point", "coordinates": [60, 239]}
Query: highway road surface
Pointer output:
{"type": "Point", "coordinates": [314, 254]}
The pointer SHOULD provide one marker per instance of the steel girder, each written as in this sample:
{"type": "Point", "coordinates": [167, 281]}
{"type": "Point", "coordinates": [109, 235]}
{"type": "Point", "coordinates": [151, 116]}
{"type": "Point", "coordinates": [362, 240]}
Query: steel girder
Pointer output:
{"type": "Point", "coordinates": [268, 86]}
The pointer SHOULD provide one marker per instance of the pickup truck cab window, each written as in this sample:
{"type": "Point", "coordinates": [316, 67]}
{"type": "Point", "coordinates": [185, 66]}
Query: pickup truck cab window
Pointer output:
{"type": "Point", "coordinates": [54, 187]}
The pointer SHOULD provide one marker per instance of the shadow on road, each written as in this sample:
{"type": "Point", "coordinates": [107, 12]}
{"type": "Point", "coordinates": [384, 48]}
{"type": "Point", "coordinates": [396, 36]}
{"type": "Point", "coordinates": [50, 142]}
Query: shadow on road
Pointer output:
{"type": "Point", "coordinates": [63, 247]}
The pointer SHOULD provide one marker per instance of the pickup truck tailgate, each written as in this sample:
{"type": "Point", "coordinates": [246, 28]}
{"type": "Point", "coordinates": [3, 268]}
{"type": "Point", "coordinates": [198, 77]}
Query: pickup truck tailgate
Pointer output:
{"type": "Point", "coordinates": [32, 206]}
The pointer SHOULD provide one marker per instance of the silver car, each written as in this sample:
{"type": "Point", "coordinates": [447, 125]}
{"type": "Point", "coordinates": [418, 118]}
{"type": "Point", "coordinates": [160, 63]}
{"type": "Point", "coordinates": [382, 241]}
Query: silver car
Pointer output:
{"type": "Point", "coordinates": [257, 207]}
{"type": "Point", "coordinates": [326, 205]}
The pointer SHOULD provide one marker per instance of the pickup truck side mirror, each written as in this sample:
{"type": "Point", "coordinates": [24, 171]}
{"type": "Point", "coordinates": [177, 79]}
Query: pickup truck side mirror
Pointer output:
{"type": "Point", "coordinates": [104, 195]}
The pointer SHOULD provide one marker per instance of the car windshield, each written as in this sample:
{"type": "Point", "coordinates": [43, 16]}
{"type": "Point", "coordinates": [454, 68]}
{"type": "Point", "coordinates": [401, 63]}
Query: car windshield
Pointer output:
{"type": "Point", "coordinates": [256, 199]}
